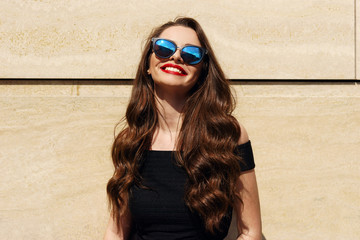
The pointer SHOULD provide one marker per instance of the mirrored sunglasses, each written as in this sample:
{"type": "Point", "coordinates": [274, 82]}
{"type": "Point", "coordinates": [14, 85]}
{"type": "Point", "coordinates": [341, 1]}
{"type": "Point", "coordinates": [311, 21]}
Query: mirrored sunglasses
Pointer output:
{"type": "Point", "coordinates": [164, 48]}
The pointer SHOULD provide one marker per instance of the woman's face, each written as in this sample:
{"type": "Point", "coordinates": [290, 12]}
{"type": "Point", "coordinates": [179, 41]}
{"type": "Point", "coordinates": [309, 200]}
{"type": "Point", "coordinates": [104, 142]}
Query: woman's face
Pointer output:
{"type": "Point", "coordinates": [165, 72]}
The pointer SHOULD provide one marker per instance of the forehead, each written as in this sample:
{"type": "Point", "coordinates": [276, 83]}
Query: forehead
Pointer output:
{"type": "Point", "coordinates": [181, 35]}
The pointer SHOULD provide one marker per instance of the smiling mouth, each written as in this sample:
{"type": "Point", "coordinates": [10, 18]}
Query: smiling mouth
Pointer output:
{"type": "Point", "coordinates": [173, 69]}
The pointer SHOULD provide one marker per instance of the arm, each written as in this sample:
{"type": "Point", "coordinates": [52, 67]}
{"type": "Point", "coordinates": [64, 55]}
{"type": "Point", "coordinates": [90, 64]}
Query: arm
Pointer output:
{"type": "Point", "coordinates": [248, 212]}
{"type": "Point", "coordinates": [121, 232]}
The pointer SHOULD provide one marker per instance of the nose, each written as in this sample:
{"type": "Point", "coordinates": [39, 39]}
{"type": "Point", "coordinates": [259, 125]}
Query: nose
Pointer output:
{"type": "Point", "coordinates": [177, 56]}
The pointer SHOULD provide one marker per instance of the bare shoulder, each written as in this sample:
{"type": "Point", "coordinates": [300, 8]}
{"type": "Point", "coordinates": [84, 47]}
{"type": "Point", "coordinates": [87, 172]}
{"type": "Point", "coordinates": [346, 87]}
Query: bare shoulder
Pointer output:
{"type": "Point", "coordinates": [244, 137]}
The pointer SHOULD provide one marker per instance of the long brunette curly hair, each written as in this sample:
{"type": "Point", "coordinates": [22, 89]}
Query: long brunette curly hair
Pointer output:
{"type": "Point", "coordinates": [204, 149]}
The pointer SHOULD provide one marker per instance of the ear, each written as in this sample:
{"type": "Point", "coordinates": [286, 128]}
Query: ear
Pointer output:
{"type": "Point", "coordinates": [148, 72]}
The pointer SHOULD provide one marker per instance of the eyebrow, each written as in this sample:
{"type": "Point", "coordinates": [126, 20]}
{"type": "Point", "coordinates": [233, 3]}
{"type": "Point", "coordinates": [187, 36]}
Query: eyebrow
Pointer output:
{"type": "Point", "coordinates": [186, 44]}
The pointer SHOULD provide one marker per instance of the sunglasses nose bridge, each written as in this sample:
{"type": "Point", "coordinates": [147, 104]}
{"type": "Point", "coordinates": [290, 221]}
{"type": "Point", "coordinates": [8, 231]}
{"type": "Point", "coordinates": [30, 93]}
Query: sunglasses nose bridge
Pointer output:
{"type": "Point", "coordinates": [177, 54]}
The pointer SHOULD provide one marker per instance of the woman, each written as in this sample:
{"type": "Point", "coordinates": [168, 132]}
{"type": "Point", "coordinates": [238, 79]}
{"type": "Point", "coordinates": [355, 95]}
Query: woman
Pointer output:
{"type": "Point", "coordinates": [183, 162]}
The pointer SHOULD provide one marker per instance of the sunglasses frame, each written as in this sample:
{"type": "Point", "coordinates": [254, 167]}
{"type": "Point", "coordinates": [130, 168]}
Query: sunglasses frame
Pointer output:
{"type": "Point", "coordinates": [203, 50]}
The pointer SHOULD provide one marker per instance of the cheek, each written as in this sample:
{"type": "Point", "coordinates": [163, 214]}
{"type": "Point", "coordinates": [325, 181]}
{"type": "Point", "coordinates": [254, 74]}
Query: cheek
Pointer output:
{"type": "Point", "coordinates": [154, 62]}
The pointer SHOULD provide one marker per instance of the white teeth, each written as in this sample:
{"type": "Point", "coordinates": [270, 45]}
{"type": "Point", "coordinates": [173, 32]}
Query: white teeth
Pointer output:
{"type": "Point", "coordinates": [173, 69]}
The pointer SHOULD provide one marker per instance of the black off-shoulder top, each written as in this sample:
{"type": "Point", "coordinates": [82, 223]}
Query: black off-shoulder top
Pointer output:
{"type": "Point", "coordinates": [159, 213]}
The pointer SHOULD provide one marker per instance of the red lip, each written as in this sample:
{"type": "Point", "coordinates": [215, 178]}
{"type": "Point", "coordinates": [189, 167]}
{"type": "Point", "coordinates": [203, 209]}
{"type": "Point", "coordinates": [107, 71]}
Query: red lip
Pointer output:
{"type": "Point", "coordinates": [183, 73]}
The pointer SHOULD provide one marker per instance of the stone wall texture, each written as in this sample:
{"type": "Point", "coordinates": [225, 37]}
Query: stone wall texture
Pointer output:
{"type": "Point", "coordinates": [56, 135]}
{"type": "Point", "coordinates": [253, 39]}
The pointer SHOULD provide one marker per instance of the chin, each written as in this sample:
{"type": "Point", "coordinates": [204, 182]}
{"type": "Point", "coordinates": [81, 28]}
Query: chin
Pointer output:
{"type": "Point", "coordinates": [174, 86]}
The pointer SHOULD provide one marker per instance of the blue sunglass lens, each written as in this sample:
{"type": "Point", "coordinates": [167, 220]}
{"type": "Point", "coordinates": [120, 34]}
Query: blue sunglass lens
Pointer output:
{"type": "Point", "coordinates": [164, 48]}
{"type": "Point", "coordinates": [192, 54]}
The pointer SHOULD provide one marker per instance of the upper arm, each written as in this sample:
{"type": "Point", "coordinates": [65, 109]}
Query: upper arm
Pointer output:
{"type": "Point", "coordinates": [248, 211]}
{"type": "Point", "coordinates": [121, 232]}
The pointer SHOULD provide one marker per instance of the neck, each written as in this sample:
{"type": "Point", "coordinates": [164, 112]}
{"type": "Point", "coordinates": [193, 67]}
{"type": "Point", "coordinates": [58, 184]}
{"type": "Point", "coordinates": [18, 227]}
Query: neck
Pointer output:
{"type": "Point", "coordinates": [170, 103]}
{"type": "Point", "coordinates": [170, 107]}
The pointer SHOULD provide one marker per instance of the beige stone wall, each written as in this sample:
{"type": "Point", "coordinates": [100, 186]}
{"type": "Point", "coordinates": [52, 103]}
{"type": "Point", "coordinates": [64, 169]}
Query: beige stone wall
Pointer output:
{"type": "Point", "coordinates": [55, 157]}
{"type": "Point", "coordinates": [55, 136]}
{"type": "Point", "coordinates": [254, 39]}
